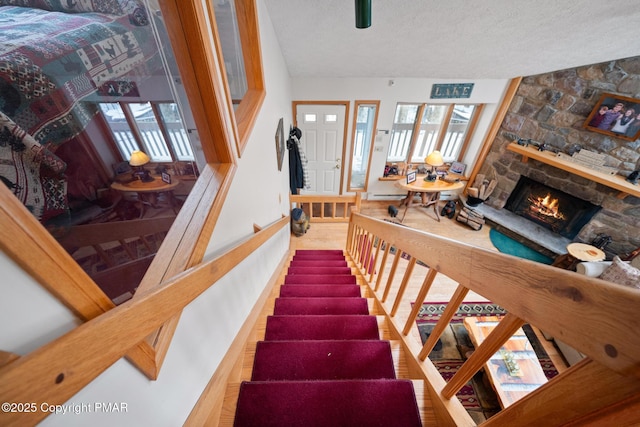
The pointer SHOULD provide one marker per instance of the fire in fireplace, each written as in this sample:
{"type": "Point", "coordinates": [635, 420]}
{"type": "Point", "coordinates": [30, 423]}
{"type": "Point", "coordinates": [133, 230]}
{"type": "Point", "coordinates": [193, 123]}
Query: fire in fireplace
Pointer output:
{"type": "Point", "coordinates": [553, 209]}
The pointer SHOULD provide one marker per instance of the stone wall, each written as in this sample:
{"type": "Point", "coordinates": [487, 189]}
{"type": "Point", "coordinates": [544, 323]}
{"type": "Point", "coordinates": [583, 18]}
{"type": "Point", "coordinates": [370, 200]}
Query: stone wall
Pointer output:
{"type": "Point", "coordinates": [552, 108]}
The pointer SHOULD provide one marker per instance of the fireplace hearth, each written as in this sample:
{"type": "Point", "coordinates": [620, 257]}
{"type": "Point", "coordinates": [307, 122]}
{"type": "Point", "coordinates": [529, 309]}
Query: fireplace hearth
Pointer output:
{"type": "Point", "coordinates": [552, 209]}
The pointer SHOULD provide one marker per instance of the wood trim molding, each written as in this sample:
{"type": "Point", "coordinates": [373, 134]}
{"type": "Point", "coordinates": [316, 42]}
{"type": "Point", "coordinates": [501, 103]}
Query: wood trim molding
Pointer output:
{"type": "Point", "coordinates": [510, 93]}
{"type": "Point", "coordinates": [246, 113]}
{"type": "Point", "coordinates": [205, 83]}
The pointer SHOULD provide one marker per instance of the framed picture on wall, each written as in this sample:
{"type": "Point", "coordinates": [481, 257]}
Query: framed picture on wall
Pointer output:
{"type": "Point", "coordinates": [280, 143]}
{"type": "Point", "coordinates": [615, 115]}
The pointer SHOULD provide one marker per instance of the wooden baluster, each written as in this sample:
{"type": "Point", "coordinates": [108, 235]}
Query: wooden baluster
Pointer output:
{"type": "Point", "coordinates": [368, 260]}
{"type": "Point", "coordinates": [422, 295]}
{"type": "Point", "coordinates": [449, 312]}
{"type": "Point", "coordinates": [501, 334]}
{"type": "Point", "coordinates": [383, 264]}
{"type": "Point", "coordinates": [392, 273]}
{"type": "Point", "coordinates": [375, 260]}
{"type": "Point", "coordinates": [403, 285]}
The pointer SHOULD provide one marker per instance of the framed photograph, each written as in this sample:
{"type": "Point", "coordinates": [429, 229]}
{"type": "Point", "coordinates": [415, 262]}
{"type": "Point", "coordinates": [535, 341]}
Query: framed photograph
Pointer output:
{"type": "Point", "coordinates": [457, 168]}
{"type": "Point", "coordinates": [166, 177]}
{"type": "Point", "coordinates": [280, 148]}
{"type": "Point", "coordinates": [411, 177]}
{"type": "Point", "coordinates": [616, 116]}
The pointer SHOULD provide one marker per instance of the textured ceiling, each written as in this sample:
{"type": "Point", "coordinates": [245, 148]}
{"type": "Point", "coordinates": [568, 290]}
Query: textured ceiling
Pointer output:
{"type": "Point", "coordinates": [453, 38]}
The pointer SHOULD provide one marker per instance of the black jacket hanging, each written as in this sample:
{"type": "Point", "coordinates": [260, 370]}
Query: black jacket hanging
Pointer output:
{"type": "Point", "coordinates": [296, 173]}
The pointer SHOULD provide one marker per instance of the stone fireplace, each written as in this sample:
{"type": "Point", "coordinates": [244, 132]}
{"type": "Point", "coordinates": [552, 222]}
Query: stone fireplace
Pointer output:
{"type": "Point", "coordinates": [551, 108]}
{"type": "Point", "coordinates": [553, 209]}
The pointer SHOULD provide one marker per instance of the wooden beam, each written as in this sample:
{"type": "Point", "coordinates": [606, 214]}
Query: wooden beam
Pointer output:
{"type": "Point", "coordinates": [510, 93]}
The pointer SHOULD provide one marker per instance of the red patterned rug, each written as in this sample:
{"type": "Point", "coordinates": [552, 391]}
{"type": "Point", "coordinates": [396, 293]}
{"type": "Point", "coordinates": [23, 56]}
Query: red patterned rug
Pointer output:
{"type": "Point", "coordinates": [452, 349]}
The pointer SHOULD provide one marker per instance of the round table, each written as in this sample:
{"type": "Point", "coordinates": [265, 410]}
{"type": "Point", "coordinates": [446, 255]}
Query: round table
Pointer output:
{"type": "Point", "coordinates": [429, 192]}
{"type": "Point", "coordinates": [148, 191]}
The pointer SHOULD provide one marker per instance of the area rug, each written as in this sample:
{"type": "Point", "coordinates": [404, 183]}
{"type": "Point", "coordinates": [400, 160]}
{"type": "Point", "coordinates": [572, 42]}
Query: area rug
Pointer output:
{"type": "Point", "coordinates": [454, 346]}
{"type": "Point", "coordinates": [507, 245]}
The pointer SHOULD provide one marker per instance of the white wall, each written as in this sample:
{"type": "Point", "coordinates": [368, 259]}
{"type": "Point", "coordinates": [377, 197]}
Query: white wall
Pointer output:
{"type": "Point", "coordinates": [30, 316]}
{"type": "Point", "coordinates": [489, 92]}
{"type": "Point", "coordinates": [260, 193]}
{"type": "Point", "coordinates": [207, 327]}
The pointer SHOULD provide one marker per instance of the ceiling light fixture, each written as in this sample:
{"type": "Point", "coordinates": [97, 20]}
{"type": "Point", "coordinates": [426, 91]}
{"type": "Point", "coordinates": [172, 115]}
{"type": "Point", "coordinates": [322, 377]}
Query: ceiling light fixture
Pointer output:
{"type": "Point", "coordinates": [363, 13]}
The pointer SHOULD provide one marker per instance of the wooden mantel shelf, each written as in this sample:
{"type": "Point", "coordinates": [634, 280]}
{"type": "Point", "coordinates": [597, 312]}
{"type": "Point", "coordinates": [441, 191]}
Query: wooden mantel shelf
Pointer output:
{"type": "Point", "coordinates": [613, 181]}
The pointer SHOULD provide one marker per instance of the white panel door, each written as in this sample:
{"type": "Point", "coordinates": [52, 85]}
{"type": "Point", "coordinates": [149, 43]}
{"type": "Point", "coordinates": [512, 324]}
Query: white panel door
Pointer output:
{"type": "Point", "coordinates": [322, 140]}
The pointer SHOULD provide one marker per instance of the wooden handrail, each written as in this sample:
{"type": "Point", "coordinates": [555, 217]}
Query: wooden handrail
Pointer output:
{"type": "Point", "coordinates": [58, 370]}
{"type": "Point", "coordinates": [589, 314]}
{"type": "Point", "coordinates": [315, 203]}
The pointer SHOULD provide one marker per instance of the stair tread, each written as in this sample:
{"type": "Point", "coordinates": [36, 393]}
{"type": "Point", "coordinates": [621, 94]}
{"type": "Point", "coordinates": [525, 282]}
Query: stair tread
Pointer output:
{"type": "Point", "coordinates": [323, 359]}
{"type": "Point", "coordinates": [309, 290]}
{"type": "Point", "coordinates": [319, 263]}
{"type": "Point", "coordinates": [318, 270]}
{"type": "Point", "coordinates": [321, 327]}
{"type": "Point", "coordinates": [320, 279]}
{"type": "Point", "coordinates": [321, 305]}
{"type": "Point", "coordinates": [332, 402]}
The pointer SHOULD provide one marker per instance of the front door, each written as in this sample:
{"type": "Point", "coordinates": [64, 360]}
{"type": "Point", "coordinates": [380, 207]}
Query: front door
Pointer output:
{"type": "Point", "coordinates": [322, 127]}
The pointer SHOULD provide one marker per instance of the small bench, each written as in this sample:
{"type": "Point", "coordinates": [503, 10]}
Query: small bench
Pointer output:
{"type": "Point", "coordinates": [514, 371]}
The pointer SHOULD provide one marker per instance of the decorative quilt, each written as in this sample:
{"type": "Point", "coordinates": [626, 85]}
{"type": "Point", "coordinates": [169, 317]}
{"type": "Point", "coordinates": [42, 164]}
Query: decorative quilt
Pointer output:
{"type": "Point", "coordinates": [56, 57]}
{"type": "Point", "coordinates": [50, 62]}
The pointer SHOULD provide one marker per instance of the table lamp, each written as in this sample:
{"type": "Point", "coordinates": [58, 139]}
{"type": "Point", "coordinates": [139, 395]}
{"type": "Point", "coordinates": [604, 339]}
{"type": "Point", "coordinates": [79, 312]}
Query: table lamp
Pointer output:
{"type": "Point", "coordinates": [434, 160]}
{"type": "Point", "coordinates": [137, 161]}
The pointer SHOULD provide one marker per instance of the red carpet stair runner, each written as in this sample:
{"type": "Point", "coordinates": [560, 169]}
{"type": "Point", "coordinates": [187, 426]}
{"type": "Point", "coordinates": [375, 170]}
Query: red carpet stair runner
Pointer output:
{"type": "Point", "coordinates": [322, 362]}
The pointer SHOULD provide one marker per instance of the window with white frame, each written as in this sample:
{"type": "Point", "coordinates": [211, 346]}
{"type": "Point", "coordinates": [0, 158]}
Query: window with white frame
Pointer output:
{"type": "Point", "coordinates": [153, 127]}
{"type": "Point", "coordinates": [419, 129]}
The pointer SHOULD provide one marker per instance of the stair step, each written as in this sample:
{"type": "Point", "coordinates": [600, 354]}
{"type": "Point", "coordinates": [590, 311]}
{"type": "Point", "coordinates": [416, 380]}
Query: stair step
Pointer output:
{"type": "Point", "coordinates": [322, 327]}
{"type": "Point", "coordinates": [319, 270]}
{"type": "Point", "coordinates": [320, 279]}
{"type": "Point", "coordinates": [320, 291]}
{"type": "Point", "coordinates": [326, 252]}
{"type": "Point", "coordinates": [320, 305]}
{"type": "Point", "coordinates": [319, 263]}
{"type": "Point", "coordinates": [322, 360]}
{"type": "Point", "coordinates": [327, 403]}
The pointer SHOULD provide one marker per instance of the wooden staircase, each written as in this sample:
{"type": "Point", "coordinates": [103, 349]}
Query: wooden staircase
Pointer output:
{"type": "Point", "coordinates": [254, 398]}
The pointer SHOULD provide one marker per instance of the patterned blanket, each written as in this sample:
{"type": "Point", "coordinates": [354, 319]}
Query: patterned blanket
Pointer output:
{"type": "Point", "coordinates": [50, 62]}
{"type": "Point", "coordinates": [56, 57]}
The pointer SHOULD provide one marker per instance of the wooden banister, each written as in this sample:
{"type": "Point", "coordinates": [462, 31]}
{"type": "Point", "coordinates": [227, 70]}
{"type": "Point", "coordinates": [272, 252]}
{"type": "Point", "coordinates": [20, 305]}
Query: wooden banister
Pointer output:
{"type": "Point", "coordinates": [562, 303]}
{"type": "Point", "coordinates": [58, 370]}
{"type": "Point", "coordinates": [314, 206]}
